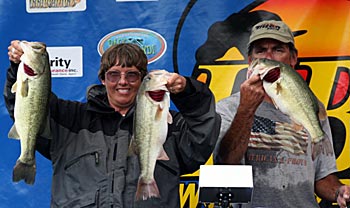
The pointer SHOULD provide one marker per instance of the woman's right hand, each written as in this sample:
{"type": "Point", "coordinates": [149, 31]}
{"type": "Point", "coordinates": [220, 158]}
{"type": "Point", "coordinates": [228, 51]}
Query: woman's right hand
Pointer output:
{"type": "Point", "coordinates": [15, 51]}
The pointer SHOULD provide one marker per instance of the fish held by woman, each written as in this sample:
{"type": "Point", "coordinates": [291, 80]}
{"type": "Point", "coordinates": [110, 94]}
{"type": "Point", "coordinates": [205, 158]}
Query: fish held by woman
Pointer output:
{"type": "Point", "coordinates": [32, 89]}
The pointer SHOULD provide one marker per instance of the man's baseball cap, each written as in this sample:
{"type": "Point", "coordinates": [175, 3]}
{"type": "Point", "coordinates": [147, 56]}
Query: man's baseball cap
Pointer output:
{"type": "Point", "coordinates": [273, 29]}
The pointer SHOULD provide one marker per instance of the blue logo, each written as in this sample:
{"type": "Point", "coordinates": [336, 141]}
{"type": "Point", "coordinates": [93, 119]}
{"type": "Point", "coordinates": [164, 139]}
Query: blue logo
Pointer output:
{"type": "Point", "coordinates": [152, 43]}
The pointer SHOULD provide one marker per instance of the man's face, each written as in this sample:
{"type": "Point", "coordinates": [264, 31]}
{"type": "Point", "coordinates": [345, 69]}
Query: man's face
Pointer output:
{"type": "Point", "coordinates": [274, 50]}
{"type": "Point", "coordinates": [122, 84]}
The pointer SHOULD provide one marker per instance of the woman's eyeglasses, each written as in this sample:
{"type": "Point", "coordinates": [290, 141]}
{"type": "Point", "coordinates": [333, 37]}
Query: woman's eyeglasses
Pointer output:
{"type": "Point", "coordinates": [130, 76]}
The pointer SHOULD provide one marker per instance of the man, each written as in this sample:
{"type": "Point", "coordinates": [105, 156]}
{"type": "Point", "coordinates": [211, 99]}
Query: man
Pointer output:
{"type": "Point", "coordinates": [281, 177]}
{"type": "Point", "coordinates": [90, 141]}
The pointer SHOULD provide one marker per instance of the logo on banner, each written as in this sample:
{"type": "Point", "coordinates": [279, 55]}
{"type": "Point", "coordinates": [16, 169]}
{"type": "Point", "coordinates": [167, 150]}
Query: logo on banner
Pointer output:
{"type": "Point", "coordinates": [66, 61]}
{"type": "Point", "coordinates": [36, 6]}
{"type": "Point", "coordinates": [152, 43]}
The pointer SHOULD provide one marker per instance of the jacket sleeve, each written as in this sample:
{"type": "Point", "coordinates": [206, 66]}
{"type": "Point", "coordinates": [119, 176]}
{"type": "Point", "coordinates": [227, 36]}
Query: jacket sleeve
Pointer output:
{"type": "Point", "coordinates": [9, 97]}
{"type": "Point", "coordinates": [200, 125]}
{"type": "Point", "coordinates": [42, 144]}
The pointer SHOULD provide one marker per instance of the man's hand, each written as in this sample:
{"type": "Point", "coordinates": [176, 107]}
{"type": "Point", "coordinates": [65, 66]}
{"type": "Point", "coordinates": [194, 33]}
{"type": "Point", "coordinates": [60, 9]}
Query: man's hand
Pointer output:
{"type": "Point", "coordinates": [343, 196]}
{"type": "Point", "coordinates": [252, 94]}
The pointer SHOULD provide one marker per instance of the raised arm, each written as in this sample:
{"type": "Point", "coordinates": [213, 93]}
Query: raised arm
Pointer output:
{"type": "Point", "coordinates": [236, 133]}
{"type": "Point", "coordinates": [197, 123]}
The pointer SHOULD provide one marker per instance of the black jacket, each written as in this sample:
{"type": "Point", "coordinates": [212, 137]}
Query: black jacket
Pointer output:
{"type": "Point", "coordinates": [89, 147]}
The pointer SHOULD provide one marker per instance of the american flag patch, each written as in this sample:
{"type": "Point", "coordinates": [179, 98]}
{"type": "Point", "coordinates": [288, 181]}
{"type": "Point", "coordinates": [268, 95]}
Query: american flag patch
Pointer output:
{"type": "Point", "coordinates": [268, 134]}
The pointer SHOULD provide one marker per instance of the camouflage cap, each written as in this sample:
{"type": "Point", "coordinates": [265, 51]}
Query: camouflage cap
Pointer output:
{"type": "Point", "coordinates": [277, 30]}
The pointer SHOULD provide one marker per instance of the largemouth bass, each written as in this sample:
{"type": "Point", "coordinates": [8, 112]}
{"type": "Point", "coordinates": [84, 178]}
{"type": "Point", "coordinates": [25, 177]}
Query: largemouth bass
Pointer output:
{"type": "Point", "coordinates": [291, 94]}
{"type": "Point", "coordinates": [150, 130]}
{"type": "Point", "coordinates": [32, 88]}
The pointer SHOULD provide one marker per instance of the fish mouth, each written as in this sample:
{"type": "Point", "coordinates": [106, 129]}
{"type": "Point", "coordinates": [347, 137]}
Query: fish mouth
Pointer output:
{"type": "Point", "coordinates": [268, 72]}
{"type": "Point", "coordinates": [29, 71]}
{"type": "Point", "coordinates": [272, 75]}
{"type": "Point", "coordinates": [157, 95]}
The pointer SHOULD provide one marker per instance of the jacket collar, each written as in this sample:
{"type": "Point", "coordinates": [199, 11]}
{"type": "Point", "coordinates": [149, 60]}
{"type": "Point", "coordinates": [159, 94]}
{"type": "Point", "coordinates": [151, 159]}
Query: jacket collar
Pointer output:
{"type": "Point", "coordinates": [98, 101]}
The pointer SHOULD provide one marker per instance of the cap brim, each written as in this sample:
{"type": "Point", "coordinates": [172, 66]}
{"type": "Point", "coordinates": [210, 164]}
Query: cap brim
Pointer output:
{"type": "Point", "coordinates": [299, 32]}
{"type": "Point", "coordinates": [279, 38]}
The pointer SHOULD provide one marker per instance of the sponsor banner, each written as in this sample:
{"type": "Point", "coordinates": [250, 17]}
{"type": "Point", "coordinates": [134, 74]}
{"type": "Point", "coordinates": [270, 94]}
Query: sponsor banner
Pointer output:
{"type": "Point", "coordinates": [66, 61]}
{"type": "Point", "coordinates": [37, 6]}
{"type": "Point", "coordinates": [152, 43]}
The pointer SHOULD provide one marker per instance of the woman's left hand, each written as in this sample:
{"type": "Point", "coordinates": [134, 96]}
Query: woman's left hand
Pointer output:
{"type": "Point", "coordinates": [176, 83]}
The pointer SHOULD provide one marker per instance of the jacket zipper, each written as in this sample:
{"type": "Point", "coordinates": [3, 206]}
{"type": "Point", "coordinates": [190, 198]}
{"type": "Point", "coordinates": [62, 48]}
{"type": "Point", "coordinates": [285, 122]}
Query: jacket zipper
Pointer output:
{"type": "Point", "coordinates": [95, 154]}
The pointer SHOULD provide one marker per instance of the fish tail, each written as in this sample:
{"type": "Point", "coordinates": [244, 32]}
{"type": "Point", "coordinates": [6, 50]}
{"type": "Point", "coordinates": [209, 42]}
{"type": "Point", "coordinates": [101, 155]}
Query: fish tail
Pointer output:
{"type": "Point", "coordinates": [323, 146]}
{"type": "Point", "coordinates": [147, 190]}
{"type": "Point", "coordinates": [25, 172]}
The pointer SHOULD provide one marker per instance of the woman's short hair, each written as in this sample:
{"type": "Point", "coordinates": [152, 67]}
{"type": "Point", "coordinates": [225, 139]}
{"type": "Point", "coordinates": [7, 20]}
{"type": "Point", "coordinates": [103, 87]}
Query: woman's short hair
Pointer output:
{"type": "Point", "coordinates": [124, 55]}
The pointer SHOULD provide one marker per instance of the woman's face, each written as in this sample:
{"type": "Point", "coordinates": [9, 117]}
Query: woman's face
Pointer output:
{"type": "Point", "coordinates": [122, 84]}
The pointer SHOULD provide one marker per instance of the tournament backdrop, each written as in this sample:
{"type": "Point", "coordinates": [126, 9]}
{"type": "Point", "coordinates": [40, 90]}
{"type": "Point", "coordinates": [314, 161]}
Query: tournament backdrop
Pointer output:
{"type": "Point", "coordinates": [205, 39]}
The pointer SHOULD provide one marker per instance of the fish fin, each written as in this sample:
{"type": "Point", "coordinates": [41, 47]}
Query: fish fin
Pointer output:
{"type": "Point", "coordinates": [296, 126]}
{"type": "Point", "coordinates": [13, 132]}
{"type": "Point", "coordinates": [146, 190]}
{"type": "Point", "coordinates": [159, 112]}
{"type": "Point", "coordinates": [161, 106]}
{"type": "Point", "coordinates": [133, 150]}
{"type": "Point", "coordinates": [14, 87]}
{"type": "Point", "coordinates": [322, 146]}
{"type": "Point", "coordinates": [47, 131]}
{"type": "Point", "coordinates": [162, 155]}
{"type": "Point", "coordinates": [25, 88]}
{"type": "Point", "coordinates": [278, 87]}
{"type": "Point", "coordinates": [322, 113]}
{"type": "Point", "coordinates": [25, 172]}
{"type": "Point", "coordinates": [170, 118]}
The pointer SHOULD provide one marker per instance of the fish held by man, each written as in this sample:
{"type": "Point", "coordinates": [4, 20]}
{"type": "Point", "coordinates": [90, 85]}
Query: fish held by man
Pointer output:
{"type": "Point", "coordinates": [150, 130]}
{"type": "Point", "coordinates": [291, 94]}
{"type": "Point", "coordinates": [32, 89]}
